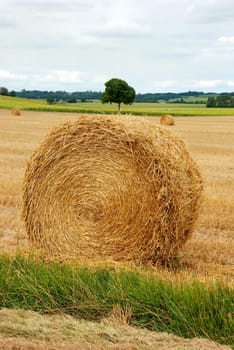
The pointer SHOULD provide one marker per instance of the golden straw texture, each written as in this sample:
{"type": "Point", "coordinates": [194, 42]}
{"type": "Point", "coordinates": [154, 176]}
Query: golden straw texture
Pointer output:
{"type": "Point", "coordinates": [111, 187]}
{"type": "Point", "coordinates": [167, 119]}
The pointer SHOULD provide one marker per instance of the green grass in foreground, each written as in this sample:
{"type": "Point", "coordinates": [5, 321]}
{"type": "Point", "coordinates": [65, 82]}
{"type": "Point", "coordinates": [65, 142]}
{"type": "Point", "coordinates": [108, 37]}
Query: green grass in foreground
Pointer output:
{"type": "Point", "coordinates": [150, 109]}
{"type": "Point", "coordinates": [187, 310]}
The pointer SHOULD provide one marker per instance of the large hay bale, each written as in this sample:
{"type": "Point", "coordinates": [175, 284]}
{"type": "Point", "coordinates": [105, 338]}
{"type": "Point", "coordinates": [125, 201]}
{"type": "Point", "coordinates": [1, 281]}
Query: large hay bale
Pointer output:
{"type": "Point", "coordinates": [167, 119]}
{"type": "Point", "coordinates": [118, 188]}
{"type": "Point", "coordinates": [15, 112]}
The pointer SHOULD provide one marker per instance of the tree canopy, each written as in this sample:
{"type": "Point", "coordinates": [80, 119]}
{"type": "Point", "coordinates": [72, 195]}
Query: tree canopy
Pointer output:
{"type": "Point", "coordinates": [221, 101]}
{"type": "Point", "coordinates": [118, 91]}
{"type": "Point", "coordinates": [3, 91]}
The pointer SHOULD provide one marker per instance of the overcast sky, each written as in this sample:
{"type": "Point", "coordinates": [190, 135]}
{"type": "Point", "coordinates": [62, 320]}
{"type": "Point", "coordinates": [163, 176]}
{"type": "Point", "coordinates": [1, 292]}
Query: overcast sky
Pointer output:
{"type": "Point", "coordinates": [155, 45]}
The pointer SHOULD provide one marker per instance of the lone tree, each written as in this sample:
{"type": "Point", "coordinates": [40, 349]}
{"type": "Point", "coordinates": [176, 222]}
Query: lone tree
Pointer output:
{"type": "Point", "coordinates": [118, 91]}
{"type": "Point", "coordinates": [50, 100]}
{"type": "Point", "coordinates": [3, 91]}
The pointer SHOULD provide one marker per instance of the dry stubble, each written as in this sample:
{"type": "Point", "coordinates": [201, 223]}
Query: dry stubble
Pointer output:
{"type": "Point", "coordinates": [209, 254]}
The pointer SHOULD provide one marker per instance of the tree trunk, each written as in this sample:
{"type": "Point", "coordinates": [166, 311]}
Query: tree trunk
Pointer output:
{"type": "Point", "coordinates": [119, 108]}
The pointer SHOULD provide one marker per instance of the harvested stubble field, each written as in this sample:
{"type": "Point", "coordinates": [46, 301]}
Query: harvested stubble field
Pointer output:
{"type": "Point", "coordinates": [208, 255]}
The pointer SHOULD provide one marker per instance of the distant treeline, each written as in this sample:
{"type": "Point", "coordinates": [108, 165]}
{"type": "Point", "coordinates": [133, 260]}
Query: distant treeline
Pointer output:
{"type": "Point", "coordinates": [167, 96]}
{"type": "Point", "coordinates": [182, 100]}
{"type": "Point", "coordinates": [60, 95]}
{"type": "Point", "coordinates": [96, 95]}
{"type": "Point", "coordinates": [220, 101]}
{"type": "Point", "coordinates": [213, 99]}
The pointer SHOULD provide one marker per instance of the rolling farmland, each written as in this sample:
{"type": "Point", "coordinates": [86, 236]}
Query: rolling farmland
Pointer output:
{"type": "Point", "coordinates": [150, 109]}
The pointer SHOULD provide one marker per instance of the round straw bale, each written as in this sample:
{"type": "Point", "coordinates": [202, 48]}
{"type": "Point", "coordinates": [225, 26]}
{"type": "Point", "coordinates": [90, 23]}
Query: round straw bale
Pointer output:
{"type": "Point", "coordinates": [118, 188]}
{"type": "Point", "coordinates": [15, 111]}
{"type": "Point", "coordinates": [167, 119]}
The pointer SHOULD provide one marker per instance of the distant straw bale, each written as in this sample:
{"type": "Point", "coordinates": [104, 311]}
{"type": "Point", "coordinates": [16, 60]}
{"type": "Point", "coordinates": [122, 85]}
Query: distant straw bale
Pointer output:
{"type": "Point", "coordinates": [15, 111]}
{"type": "Point", "coordinates": [111, 187]}
{"type": "Point", "coordinates": [167, 119]}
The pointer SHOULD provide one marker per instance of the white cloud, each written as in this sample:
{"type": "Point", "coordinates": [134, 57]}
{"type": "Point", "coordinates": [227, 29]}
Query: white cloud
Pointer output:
{"type": "Point", "coordinates": [6, 22]}
{"type": "Point", "coordinates": [204, 84]}
{"type": "Point", "coordinates": [212, 11]}
{"type": "Point", "coordinates": [61, 76]}
{"type": "Point", "coordinates": [162, 84]}
{"type": "Point", "coordinates": [100, 79]}
{"type": "Point", "coordinates": [120, 28]}
{"type": "Point", "coordinates": [6, 75]}
{"type": "Point", "coordinates": [227, 40]}
{"type": "Point", "coordinates": [55, 5]}
{"type": "Point", "coordinates": [188, 84]}
{"type": "Point", "coordinates": [190, 8]}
